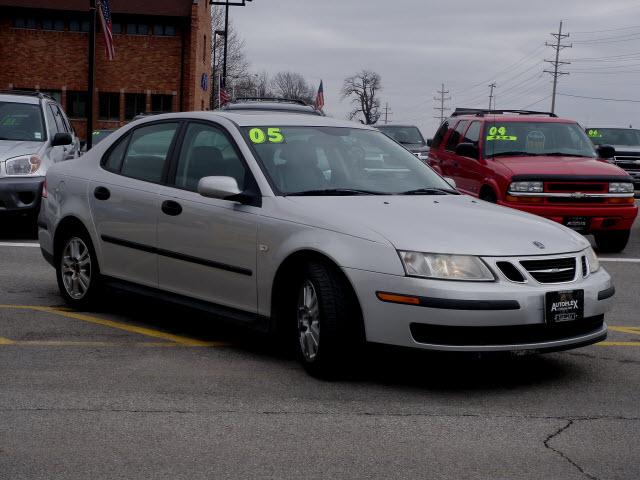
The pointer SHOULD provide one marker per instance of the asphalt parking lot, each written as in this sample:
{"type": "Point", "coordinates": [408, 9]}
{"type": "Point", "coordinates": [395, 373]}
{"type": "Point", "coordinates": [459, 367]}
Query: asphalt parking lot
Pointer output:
{"type": "Point", "coordinates": [139, 389]}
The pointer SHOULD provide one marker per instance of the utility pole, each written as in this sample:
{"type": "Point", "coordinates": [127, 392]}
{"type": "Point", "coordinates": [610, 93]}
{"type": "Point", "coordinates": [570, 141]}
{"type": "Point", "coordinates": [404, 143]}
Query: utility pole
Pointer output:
{"type": "Point", "coordinates": [91, 81]}
{"type": "Point", "coordinates": [441, 98]}
{"type": "Point", "coordinates": [557, 46]}
{"type": "Point", "coordinates": [386, 113]}
{"type": "Point", "coordinates": [491, 86]}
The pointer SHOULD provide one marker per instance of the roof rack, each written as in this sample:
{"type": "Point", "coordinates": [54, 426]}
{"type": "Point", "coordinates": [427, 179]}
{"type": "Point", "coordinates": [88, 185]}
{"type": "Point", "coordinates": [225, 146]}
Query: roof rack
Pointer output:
{"type": "Point", "coordinates": [481, 112]}
{"type": "Point", "coordinates": [269, 99]}
{"type": "Point", "coordinates": [29, 93]}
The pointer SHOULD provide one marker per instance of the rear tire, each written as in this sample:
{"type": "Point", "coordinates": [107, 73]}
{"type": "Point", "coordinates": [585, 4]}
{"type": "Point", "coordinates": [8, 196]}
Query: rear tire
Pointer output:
{"type": "Point", "coordinates": [327, 320]}
{"type": "Point", "coordinates": [77, 270]}
{"type": "Point", "coordinates": [488, 196]}
{"type": "Point", "coordinates": [612, 242]}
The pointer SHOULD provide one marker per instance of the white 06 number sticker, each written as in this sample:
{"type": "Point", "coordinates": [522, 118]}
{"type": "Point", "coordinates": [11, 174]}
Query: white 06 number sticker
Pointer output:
{"type": "Point", "coordinates": [272, 135]}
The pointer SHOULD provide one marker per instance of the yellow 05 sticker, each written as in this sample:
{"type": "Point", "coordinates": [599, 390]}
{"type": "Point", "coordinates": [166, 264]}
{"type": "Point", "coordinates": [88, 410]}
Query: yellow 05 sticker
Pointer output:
{"type": "Point", "coordinates": [272, 135]}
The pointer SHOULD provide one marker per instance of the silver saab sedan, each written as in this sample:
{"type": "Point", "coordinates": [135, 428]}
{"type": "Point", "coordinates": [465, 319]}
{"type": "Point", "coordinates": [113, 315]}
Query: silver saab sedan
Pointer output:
{"type": "Point", "coordinates": [325, 231]}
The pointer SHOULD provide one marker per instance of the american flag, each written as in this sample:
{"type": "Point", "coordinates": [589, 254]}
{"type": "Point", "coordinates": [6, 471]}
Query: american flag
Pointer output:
{"type": "Point", "coordinates": [223, 96]}
{"type": "Point", "coordinates": [319, 104]}
{"type": "Point", "coordinates": [107, 27]}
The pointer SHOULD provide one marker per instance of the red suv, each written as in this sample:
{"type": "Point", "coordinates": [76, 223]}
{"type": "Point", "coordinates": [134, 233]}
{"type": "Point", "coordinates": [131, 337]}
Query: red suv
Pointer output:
{"type": "Point", "coordinates": [541, 164]}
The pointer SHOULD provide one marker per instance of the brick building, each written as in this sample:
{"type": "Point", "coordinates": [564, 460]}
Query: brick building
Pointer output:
{"type": "Point", "coordinates": [162, 53]}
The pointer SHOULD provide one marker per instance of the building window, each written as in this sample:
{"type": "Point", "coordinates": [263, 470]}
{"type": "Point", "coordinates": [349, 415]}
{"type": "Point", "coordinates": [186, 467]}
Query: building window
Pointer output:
{"type": "Point", "coordinates": [77, 104]}
{"type": "Point", "coordinates": [53, 24]}
{"type": "Point", "coordinates": [79, 25]}
{"type": "Point", "coordinates": [19, 22]}
{"type": "Point", "coordinates": [109, 106]}
{"type": "Point", "coordinates": [164, 30]}
{"type": "Point", "coordinates": [55, 94]}
{"type": "Point", "coordinates": [204, 49]}
{"type": "Point", "coordinates": [161, 103]}
{"type": "Point", "coordinates": [137, 29]}
{"type": "Point", "coordinates": [116, 28]}
{"type": "Point", "coordinates": [30, 23]}
{"type": "Point", "coordinates": [134, 103]}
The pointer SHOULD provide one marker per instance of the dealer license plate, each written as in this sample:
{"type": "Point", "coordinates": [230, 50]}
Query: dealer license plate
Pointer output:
{"type": "Point", "coordinates": [579, 224]}
{"type": "Point", "coordinates": [564, 306]}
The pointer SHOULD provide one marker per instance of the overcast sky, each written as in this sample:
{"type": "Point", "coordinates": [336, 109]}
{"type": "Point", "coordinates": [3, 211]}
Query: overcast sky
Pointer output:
{"type": "Point", "coordinates": [416, 45]}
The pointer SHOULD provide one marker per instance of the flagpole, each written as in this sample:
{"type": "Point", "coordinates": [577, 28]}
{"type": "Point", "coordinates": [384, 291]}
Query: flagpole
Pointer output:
{"type": "Point", "coordinates": [92, 71]}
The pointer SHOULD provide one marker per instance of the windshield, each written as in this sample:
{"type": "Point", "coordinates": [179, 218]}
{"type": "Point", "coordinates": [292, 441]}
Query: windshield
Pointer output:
{"type": "Point", "coordinates": [21, 121]}
{"type": "Point", "coordinates": [99, 135]}
{"type": "Point", "coordinates": [614, 136]}
{"type": "Point", "coordinates": [536, 138]}
{"type": "Point", "coordinates": [406, 135]}
{"type": "Point", "coordinates": [323, 159]}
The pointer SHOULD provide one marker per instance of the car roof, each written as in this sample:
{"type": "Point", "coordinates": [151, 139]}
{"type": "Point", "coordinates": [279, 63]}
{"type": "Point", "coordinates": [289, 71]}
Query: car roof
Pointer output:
{"type": "Point", "coordinates": [398, 125]}
{"type": "Point", "coordinates": [611, 128]}
{"type": "Point", "coordinates": [270, 106]}
{"type": "Point", "coordinates": [512, 118]}
{"type": "Point", "coordinates": [260, 119]}
{"type": "Point", "coordinates": [17, 98]}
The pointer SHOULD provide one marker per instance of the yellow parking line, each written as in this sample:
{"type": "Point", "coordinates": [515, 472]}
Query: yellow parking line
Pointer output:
{"type": "Point", "coordinates": [177, 339]}
{"type": "Point", "coordinates": [6, 341]}
{"type": "Point", "coordinates": [64, 343]}
{"type": "Point", "coordinates": [631, 330]}
{"type": "Point", "coordinates": [619, 344]}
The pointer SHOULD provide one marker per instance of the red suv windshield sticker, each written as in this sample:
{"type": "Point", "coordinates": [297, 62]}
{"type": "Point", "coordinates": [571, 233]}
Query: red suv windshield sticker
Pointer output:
{"type": "Point", "coordinates": [500, 133]}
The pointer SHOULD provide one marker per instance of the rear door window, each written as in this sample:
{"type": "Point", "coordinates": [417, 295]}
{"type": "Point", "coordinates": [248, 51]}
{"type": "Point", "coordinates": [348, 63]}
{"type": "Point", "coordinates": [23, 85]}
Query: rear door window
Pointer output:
{"type": "Point", "coordinates": [148, 150]}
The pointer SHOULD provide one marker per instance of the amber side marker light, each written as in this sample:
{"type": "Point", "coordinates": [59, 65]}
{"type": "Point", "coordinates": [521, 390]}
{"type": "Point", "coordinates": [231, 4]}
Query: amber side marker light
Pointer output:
{"type": "Point", "coordinates": [514, 199]}
{"type": "Point", "coordinates": [397, 298]}
{"type": "Point", "coordinates": [621, 200]}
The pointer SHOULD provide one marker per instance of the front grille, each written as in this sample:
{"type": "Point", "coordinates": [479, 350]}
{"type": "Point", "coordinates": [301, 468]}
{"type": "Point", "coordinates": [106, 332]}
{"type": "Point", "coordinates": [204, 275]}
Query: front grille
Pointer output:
{"type": "Point", "coordinates": [583, 261]}
{"type": "Point", "coordinates": [570, 187]}
{"type": "Point", "coordinates": [503, 335]}
{"type": "Point", "coordinates": [510, 271]}
{"type": "Point", "coordinates": [576, 200]}
{"type": "Point", "coordinates": [556, 270]}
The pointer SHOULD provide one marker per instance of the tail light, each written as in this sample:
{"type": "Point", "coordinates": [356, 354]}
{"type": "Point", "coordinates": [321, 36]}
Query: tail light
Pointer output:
{"type": "Point", "coordinates": [45, 192]}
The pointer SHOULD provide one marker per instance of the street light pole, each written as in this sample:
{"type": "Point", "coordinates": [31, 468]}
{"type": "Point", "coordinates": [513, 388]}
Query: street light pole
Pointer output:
{"type": "Point", "coordinates": [92, 72]}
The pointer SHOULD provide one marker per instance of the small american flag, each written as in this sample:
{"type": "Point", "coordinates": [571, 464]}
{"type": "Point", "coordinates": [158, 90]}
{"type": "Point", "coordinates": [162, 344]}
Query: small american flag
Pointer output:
{"type": "Point", "coordinates": [319, 104]}
{"type": "Point", "coordinates": [107, 27]}
{"type": "Point", "coordinates": [223, 96]}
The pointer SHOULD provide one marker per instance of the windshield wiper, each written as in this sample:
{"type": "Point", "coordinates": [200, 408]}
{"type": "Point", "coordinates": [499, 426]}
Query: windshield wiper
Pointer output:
{"type": "Point", "coordinates": [334, 191]}
{"type": "Point", "coordinates": [430, 191]}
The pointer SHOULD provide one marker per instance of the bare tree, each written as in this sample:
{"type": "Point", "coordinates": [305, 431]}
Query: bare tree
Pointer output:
{"type": "Point", "coordinates": [237, 64]}
{"type": "Point", "coordinates": [292, 85]}
{"type": "Point", "coordinates": [363, 88]}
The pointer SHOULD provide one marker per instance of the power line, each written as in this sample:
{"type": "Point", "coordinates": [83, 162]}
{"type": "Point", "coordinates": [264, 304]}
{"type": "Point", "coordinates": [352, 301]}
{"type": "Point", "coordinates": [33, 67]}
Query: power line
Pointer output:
{"type": "Point", "coordinates": [536, 102]}
{"type": "Point", "coordinates": [600, 98]}
{"type": "Point", "coordinates": [442, 92]}
{"type": "Point", "coordinates": [556, 73]}
{"type": "Point", "coordinates": [607, 30]}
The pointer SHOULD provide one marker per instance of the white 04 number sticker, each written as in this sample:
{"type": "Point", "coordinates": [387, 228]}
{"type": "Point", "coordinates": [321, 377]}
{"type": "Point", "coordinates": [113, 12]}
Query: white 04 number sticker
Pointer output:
{"type": "Point", "coordinates": [272, 135]}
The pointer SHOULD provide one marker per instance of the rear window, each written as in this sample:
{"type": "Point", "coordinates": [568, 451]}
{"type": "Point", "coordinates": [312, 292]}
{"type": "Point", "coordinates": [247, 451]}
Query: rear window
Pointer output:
{"type": "Point", "coordinates": [21, 122]}
{"type": "Point", "coordinates": [404, 135]}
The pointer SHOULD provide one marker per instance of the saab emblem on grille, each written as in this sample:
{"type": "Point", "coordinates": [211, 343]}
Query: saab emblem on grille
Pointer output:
{"type": "Point", "coordinates": [540, 245]}
{"type": "Point", "coordinates": [578, 195]}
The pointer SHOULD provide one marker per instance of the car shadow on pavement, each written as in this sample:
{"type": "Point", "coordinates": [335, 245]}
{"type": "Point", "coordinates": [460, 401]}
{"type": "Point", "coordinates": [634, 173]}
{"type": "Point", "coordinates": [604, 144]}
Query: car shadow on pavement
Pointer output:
{"type": "Point", "coordinates": [389, 366]}
{"type": "Point", "coordinates": [18, 229]}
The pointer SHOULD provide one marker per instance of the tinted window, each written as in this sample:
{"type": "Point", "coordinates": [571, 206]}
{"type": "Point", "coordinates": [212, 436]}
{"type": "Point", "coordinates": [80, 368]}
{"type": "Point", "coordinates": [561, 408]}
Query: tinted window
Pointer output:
{"type": "Point", "coordinates": [113, 160]}
{"type": "Point", "coordinates": [60, 127]}
{"type": "Point", "coordinates": [437, 138]}
{"type": "Point", "coordinates": [456, 135]}
{"type": "Point", "coordinates": [134, 103]}
{"type": "Point", "coordinates": [473, 133]}
{"type": "Point", "coordinates": [206, 152]}
{"type": "Point", "coordinates": [147, 151]}
{"type": "Point", "coordinates": [627, 137]}
{"type": "Point", "coordinates": [109, 106]}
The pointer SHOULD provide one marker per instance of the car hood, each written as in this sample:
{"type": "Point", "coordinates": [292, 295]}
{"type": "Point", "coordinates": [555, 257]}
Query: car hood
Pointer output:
{"type": "Point", "coordinates": [440, 224]}
{"type": "Point", "coordinates": [15, 148]}
{"type": "Point", "coordinates": [415, 147]}
{"type": "Point", "coordinates": [569, 166]}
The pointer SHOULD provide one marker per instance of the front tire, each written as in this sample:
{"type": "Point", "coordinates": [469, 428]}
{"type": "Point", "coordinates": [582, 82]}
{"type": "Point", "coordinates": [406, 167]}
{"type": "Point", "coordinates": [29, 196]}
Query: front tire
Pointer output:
{"type": "Point", "coordinates": [327, 320]}
{"type": "Point", "coordinates": [612, 242]}
{"type": "Point", "coordinates": [77, 271]}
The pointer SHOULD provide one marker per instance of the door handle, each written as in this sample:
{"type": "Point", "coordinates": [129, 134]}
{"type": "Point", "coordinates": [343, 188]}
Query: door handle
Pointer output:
{"type": "Point", "coordinates": [102, 193]}
{"type": "Point", "coordinates": [171, 208]}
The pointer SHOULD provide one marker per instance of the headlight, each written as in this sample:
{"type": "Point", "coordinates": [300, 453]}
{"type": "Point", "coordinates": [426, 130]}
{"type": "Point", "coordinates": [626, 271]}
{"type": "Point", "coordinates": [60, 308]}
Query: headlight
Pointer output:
{"type": "Point", "coordinates": [528, 187]}
{"type": "Point", "coordinates": [445, 267]}
{"type": "Point", "coordinates": [25, 165]}
{"type": "Point", "coordinates": [592, 259]}
{"type": "Point", "coordinates": [621, 187]}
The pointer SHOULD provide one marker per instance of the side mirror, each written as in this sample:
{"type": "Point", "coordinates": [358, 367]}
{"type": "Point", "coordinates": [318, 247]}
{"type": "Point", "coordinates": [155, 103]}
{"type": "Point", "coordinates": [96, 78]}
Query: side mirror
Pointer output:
{"type": "Point", "coordinates": [451, 182]}
{"type": "Point", "coordinates": [429, 141]}
{"type": "Point", "coordinates": [218, 187]}
{"type": "Point", "coordinates": [606, 151]}
{"type": "Point", "coordinates": [60, 139]}
{"type": "Point", "coordinates": [466, 149]}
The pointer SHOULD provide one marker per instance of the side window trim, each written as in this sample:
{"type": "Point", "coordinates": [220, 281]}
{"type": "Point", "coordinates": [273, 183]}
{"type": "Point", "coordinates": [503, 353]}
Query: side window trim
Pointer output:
{"type": "Point", "coordinates": [171, 178]}
{"type": "Point", "coordinates": [127, 138]}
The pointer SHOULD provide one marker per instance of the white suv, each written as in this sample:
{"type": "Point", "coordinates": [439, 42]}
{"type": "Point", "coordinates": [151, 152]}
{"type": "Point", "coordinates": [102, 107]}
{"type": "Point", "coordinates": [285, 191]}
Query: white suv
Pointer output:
{"type": "Point", "coordinates": [35, 133]}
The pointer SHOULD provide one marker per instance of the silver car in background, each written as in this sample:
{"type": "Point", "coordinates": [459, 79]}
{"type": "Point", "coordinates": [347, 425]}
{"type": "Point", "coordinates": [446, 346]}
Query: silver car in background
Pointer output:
{"type": "Point", "coordinates": [325, 231]}
{"type": "Point", "coordinates": [35, 133]}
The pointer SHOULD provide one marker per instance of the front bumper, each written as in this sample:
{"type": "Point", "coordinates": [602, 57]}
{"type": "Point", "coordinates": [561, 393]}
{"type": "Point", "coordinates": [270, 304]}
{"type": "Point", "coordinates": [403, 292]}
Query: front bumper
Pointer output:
{"type": "Point", "coordinates": [20, 194]}
{"type": "Point", "coordinates": [599, 218]}
{"type": "Point", "coordinates": [507, 317]}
